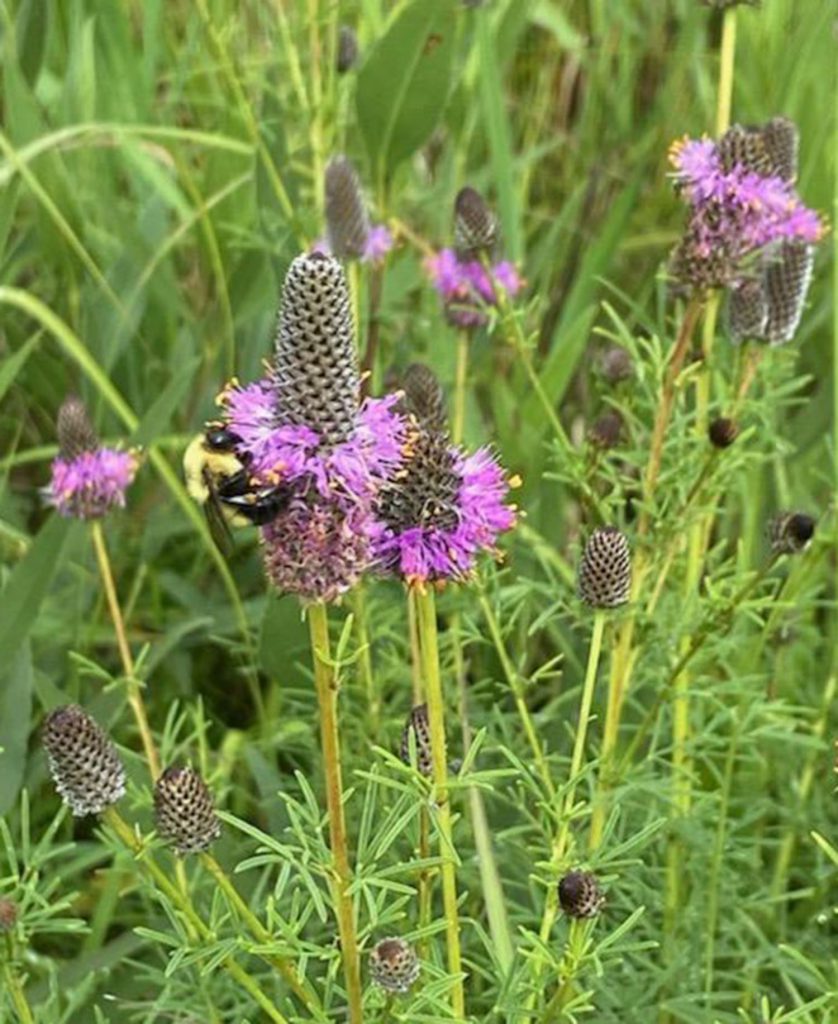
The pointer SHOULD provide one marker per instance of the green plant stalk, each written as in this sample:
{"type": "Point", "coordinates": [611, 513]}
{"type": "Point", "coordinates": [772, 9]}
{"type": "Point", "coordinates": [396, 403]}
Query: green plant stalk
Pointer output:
{"type": "Point", "coordinates": [359, 607]}
{"type": "Point", "coordinates": [426, 616]}
{"type": "Point", "coordinates": [491, 882]}
{"type": "Point", "coordinates": [182, 901]}
{"type": "Point", "coordinates": [302, 989]}
{"type": "Point", "coordinates": [560, 847]}
{"type": "Point", "coordinates": [327, 686]}
{"type": "Point", "coordinates": [134, 691]}
{"type": "Point", "coordinates": [513, 680]}
{"type": "Point", "coordinates": [726, 66]}
{"type": "Point", "coordinates": [458, 420]}
{"type": "Point", "coordinates": [571, 959]}
{"type": "Point", "coordinates": [625, 655]}
{"type": "Point", "coordinates": [14, 986]}
{"type": "Point", "coordinates": [315, 118]}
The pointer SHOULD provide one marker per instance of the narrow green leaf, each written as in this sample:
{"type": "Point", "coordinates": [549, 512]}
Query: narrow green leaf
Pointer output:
{"type": "Point", "coordinates": [14, 364]}
{"type": "Point", "coordinates": [15, 709]}
{"type": "Point", "coordinates": [28, 584]}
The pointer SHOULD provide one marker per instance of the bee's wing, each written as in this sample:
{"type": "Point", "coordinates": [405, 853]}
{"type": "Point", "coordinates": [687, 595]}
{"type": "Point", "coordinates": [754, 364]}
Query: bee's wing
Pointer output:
{"type": "Point", "coordinates": [219, 528]}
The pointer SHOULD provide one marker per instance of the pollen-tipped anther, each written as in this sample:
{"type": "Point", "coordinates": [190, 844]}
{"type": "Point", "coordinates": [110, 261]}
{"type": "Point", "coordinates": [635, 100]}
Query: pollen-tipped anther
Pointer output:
{"type": "Point", "coordinates": [83, 762]}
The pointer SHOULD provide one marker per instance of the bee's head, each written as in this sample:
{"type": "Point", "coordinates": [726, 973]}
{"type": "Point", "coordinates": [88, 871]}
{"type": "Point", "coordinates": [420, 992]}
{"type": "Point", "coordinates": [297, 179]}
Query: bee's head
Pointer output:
{"type": "Point", "coordinates": [221, 439]}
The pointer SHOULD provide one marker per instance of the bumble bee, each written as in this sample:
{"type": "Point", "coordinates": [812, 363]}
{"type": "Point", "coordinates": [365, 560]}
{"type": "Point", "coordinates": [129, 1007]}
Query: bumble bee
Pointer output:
{"type": "Point", "coordinates": [218, 478]}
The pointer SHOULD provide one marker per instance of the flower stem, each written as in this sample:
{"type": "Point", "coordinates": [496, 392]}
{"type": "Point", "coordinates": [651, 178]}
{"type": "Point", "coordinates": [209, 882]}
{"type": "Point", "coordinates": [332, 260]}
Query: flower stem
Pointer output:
{"type": "Point", "coordinates": [459, 418]}
{"type": "Point", "coordinates": [563, 837]}
{"type": "Point", "coordinates": [326, 683]}
{"type": "Point", "coordinates": [365, 658]}
{"type": "Point", "coordinates": [727, 53]}
{"type": "Point", "coordinates": [426, 609]}
{"type": "Point", "coordinates": [135, 698]}
{"type": "Point", "coordinates": [301, 989]}
{"type": "Point", "coordinates": [183, 903]}
{"type": "Point", "coordinates": [14, 986]}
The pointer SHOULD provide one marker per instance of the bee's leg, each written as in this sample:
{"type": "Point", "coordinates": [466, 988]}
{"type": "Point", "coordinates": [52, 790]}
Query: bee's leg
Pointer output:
{"type": "Point", "coordinates": [234, 486]}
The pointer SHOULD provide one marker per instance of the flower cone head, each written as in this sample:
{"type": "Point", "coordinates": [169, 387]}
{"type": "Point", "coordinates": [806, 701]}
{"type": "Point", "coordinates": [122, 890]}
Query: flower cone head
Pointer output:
{"type": "Point", "coordinates": [184, 811]}
{"type": "Point", "coordinates": [394, 965]}
{"type": "Point", "coordinates": [347, 222]}
{"type": "Point", "coordinates": [8, 915]}
{"type": "Point", "coordinates": [417, 730]}
{"type": "Point", "coordinates": [315, 368]}
{"type": "Point", "coordinates": [791, 532]}
{"type": "Point", "coordinates": [722, 432]}
{"type": "Point", "coordinates": [76, 435]}
{"type": "Point", "coordinates": [424, 397]}
{"type": "Point", "coordinates": [83, 762]}
{"type": "Point", "coordinates": [347, 54]}
{"type": "Point", "coordinates": [605, 569]}
{"type": "Point", "coordinates": [580, 895]}
{"type": "Point", "coordinates": [475, 225]}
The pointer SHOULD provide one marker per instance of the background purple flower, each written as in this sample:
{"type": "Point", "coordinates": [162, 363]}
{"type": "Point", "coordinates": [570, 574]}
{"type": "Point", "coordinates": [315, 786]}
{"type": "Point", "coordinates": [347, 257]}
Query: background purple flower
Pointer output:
{"type": "Point", "coordinates": [91, 484]}
{"type": "Point", "coordinates": [468, 288]}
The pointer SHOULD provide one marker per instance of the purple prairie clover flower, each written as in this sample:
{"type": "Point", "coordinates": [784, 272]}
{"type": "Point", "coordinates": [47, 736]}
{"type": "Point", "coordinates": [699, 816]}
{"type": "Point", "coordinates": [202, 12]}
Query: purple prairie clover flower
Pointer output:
{"type": "Point", "coordinates": [303, 426]}
{"type": "Point", "coordinates": [741, 202]}
{"type": "Point", "coordinates": [442, 511]}
{"type": "Point", "coordinates": [87, 479]}
{"type": "Point", "coordinates": [468, 288]}
{"type": "Point", "coordinates": [349, 234]}
{"type": "Point", "coordinates": [379, 243]}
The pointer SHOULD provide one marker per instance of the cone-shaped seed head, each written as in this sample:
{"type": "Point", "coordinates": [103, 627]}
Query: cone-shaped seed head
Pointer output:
{"type": "Point", "coordinates": [425, 491]}
{"type": "Point", "coordinates": [605, 569]}
{"type": "Point", "coordinates": [475, 226]}
{"type": "Point", "coordinates": [722, 432]}
{"type": "Point", "coordinates": [580, 894]}
{"type": "Point", "coordinates": [790, 532]}
{"type": "Point", "coordinates": [347, 55]}
{"type": "Point", "coordinates": [394, 965]}
{"type": "Point", "coordinates": [748, 309]}
{"type": "Point", "coordinates": [75, 431]}
{"type": "Point", "coordinates": [782, 142]}
{"type": "Point", "coordinates": [424, 397]}
{"type": "Point", "coordinates": [787, 279]}
{"type": "Point", "coordinates": [616, 364]}
{"type": "Point", "coordinates": [347, 223]}
{"type": "Point", "coordinates": [606, 429]}
{"type": "Point", "coordinates": [315, 370]}
{"type": "Point", "coordinates": [418, 726]}
{"type": "Point", "coordinates": [8, 914]}
{"type": "Point", "coordinates": [768, 149]}
{"type": "Point", "coordinates": [722, 4]}
{"type": "Point", "coordinates": [83, 762]}
{"type": "Point", "coordinates": [184, 811]}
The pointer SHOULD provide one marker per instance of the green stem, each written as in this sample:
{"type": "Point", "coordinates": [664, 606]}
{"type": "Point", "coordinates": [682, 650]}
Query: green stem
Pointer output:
{"type": "Point", "coordinates": [14, 986]}
{"type": "Point", "coordinates": [726, 65]}
{"type": "Point", "coordinates": [183, 903]}
{"type": "Point", "coordinates": [134, 692]}
{"type": "Point", "coordinates": [327, 686]}
{"type": "Point", "coordinates": [365, 659]}
{"type": "Point", "coordinates": [426, 609]}
{"type": "Point", "coordinates": [577, 758]}
{"type": "Point", "coordinates": [571, 960]}
{"type": "Point", "coordinates": [459, 418]}
{"type": "Point", "coordinates": [514, 682]}
{"type": "Point", "coordinates": [301, 989]}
